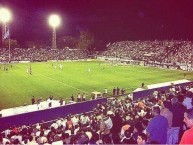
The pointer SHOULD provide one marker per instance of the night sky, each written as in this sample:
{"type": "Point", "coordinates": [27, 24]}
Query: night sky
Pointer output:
{"type": "Point", "coordinates": [108, 20]}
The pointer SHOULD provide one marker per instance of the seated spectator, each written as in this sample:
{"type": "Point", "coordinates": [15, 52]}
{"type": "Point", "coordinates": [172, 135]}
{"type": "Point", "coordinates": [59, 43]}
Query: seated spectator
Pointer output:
{"type": "Point", "coordinates": [81, 138]}
{"type": "Point", "coordinates": [32, 140]}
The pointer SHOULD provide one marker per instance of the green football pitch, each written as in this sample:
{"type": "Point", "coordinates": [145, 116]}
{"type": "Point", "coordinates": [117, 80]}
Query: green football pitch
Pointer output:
{"type": "Point", "coordinates": [62, 79]}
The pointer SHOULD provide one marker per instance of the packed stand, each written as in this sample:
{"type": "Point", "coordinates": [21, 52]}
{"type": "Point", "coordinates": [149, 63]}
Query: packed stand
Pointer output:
{"type": "Point", "coordinates": [173, 52]}
{"type": "Point", "coordinates": [31, 54]}
{"type": "Point", "coordinates": [157, 119]}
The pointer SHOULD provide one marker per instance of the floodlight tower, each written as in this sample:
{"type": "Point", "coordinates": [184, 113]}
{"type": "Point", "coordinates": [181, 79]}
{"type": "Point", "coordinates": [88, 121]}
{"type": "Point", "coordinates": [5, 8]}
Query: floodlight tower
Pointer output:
{"type": "Point", "coordinates": [54, 21]}
{"type": "Point", "coordinates": [5, 17]}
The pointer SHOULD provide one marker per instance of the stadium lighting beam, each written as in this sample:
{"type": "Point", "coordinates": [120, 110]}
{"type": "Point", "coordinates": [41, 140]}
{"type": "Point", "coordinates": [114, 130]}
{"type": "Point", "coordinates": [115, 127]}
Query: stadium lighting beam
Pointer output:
{"type": "Point", "coordinates": [5, 18]}
{"type": "Point", "coordinates": [54, 21]}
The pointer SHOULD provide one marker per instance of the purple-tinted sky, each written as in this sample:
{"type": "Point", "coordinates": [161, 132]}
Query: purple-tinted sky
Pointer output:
{"type": "Point", "coordinates": [109, 20]}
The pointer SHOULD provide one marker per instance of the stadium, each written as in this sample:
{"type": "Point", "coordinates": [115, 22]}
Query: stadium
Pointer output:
{"type": "Point", "coordinates": [83, 90]}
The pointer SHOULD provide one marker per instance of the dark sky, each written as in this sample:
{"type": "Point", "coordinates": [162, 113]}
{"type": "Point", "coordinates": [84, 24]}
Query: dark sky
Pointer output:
{"type": "Point", "coordinates": [108, 20]}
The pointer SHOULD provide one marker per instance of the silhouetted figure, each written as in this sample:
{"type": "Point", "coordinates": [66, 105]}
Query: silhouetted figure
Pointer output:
{"type": "Point", "coordinates": [61, 102]}
{"type": "Point", "coordinates": [72, 98]}
{"type": "Point", "coordinates": [118, 91]}
{"type": "Point", "coordinates": [114, 91]}
{"type": "Point", "coordinates": [142, 85]}
{"type": "Point", "coordinates": [33, 100]}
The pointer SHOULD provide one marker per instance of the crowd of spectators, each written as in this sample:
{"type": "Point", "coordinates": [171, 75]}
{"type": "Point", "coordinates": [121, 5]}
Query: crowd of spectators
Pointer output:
{"type": "Point", "coordinates": [119, 121]}
{"type": "Point", "coordinates": [31, 54]}
{"type": "Point", "coordinates": [174, 52]}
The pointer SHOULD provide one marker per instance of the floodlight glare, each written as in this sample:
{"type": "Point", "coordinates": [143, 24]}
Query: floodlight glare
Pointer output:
{"type": "Point", "coordinates": [54, 20]}
{"type": "Point", "coordinates": [5, 15]}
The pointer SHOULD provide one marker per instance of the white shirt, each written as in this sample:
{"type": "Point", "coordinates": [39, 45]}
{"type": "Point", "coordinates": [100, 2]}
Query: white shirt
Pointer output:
{"type": "Point", "coordinates": [57, 143]}
{"type": "Point", "coordinates": [109, 123]}
{"type": "Point", "coordinates": [187, 103]}
{"type": "Point", "coordinates": [59, 122]}
{"type": "Point", "coordinates": [32, 143]}
{"type": "Point", "coordinates": [75, 120]}
{"type": "Point", "coordinates": [55, 125]}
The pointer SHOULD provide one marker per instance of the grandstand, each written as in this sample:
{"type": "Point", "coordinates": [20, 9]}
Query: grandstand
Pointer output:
{"type": "Point", "coordinates": [169, 53]}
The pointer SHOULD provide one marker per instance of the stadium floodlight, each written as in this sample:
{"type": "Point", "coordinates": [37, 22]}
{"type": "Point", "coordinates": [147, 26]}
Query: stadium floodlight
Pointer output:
{"type": "Point", "coordinates": [54, 21]}
{"type": "Point", "coordinates": [5, 15]}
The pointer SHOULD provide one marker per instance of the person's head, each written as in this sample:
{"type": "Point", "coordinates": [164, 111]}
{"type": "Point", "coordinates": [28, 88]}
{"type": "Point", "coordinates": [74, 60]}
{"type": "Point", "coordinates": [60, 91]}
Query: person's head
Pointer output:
{"type": "Point", "coordinates": [188, 118]}
{"type": "Point", "coordinates": [166, 104]}
{"type": "Point", "coordinates": [156, 110]}
{"type": "Point", "coordinates": [141, 139]}
{"type": "Point", "coordinates": [174, 100]}
{"type": "Point", "coordinates": [189, 94]}
{"type": "Point", "coordinates": [129, 132]}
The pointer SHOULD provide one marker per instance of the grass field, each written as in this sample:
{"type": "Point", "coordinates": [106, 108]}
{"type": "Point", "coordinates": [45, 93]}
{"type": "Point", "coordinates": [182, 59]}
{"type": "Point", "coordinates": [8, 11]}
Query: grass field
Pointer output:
{"type": "Point", "coordinates": [17, 86]}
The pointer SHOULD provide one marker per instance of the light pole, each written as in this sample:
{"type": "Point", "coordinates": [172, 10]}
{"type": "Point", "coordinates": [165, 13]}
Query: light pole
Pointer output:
{"type": "Point", "coordinates": [5, 17]}
{"type": "Point", "coordinates": [54, 21]}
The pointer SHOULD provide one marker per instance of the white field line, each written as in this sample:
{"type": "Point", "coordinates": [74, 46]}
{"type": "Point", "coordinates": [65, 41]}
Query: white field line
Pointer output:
{"type": "Point", "coordinates": [63, 83]}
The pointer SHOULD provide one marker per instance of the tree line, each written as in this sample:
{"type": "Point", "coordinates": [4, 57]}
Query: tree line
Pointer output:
{"type": "Point", "coordinates": [86, 40]}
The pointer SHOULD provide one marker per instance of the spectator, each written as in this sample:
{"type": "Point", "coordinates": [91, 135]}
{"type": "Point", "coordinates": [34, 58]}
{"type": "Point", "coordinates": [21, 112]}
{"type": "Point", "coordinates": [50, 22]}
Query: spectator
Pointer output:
{"type": "Point", "coordinates": [114, 91]}
{"type": "Point", "coordinates": [157, 127]}
{"type": "Point", "coordinates": [105, 127]}
{"type": "Point", "coordinates": [118, 91]}
{"type": "Point", "coordinates": [117, 125]}
{"type": "Point", "coordinates": [72, 98]}
{"type": "Point", "coordinates": [128, 137]}
{"type": "Point", "coordinates": [83, 97]}
{"type": "Point", "coordinates": [187, 137]}
{"type": "Point", "coordinates": [32, 140]}
{"type": "Point", "coordinates": [165, 111]}
{"type": "Point", "coordinates": [33, 100]}
{"type": "Point", "coordinates": [78, 97]}
{"type": "Point", "coordinates": [178, 115]}
{"type": "Point", "coordinates": [188, 100]}
{"type": "Point", "coordinates": [142, 139]}
{"type": "Point", "coordinates": [61, 101]}
{"type": "Point", "coordinates": [81, 138]}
